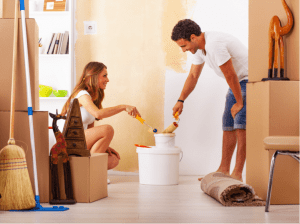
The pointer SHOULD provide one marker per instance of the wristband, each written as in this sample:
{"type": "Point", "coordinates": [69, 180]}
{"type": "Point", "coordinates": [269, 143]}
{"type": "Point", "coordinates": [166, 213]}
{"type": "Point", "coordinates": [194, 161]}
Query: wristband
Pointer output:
{"type": "Point", "coordinates": [182, 101]}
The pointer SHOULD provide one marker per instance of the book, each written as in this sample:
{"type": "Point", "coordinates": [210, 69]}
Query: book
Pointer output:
{"type": "Point", "coordinates": [65, 43]}
{"type": "Point", "coordinates": [52, 44]}
{"type": "Point", "coordinates": [60, 42]}
{"type": "Point", "coordinates": [56, 43]}
{"type": "Point", "coordinates": [67, 47]}
{"type": "Point", "coordinates": [54, 5]}
{"type": "Point", "coordinates": [47, 43]}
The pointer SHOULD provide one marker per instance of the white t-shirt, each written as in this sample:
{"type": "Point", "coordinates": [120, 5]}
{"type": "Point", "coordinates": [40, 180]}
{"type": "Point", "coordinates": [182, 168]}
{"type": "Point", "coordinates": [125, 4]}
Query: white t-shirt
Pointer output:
{"type": "Point", "coordinates": [220, 47]}
{"type": "Point", "coordinates": [86, 117]}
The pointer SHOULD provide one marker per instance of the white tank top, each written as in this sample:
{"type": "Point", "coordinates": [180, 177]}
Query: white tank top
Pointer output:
{"type": "Point", "coordinates": [87, 118]}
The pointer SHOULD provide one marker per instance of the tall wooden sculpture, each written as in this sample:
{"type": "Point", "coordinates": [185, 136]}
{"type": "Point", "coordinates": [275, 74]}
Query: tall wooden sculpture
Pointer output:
{"type": "Point", "coordinates": [74, 133]}
{"type": "Point", "coordinates": [60, 149]}
{"type": "Point", "coordinates": [276, 33]}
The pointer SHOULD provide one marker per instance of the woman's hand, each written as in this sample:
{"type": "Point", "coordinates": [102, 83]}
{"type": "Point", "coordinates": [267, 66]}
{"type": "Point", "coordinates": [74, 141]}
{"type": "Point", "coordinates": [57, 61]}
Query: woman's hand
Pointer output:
{"type": "Point", "coordinates": [111, 151]}
{"type": "Point", "coordinates": [132, 111]}
{"type": "Point", "coordinates": [235, 109]}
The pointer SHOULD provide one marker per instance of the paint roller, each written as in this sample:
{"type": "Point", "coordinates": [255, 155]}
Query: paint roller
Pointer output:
{"type": "Point", "coordinates": [151, 130]}
{"type": "Point", "coordinates": [172, 127]}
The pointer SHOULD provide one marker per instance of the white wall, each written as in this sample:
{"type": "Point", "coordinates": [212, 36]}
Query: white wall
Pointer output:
{"type": "Point", "coordinates": [200, 127]}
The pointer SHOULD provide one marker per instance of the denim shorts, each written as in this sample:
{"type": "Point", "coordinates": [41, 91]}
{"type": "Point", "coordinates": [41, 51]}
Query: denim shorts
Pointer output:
{"type": "Point", "coordinates": [239, 122]}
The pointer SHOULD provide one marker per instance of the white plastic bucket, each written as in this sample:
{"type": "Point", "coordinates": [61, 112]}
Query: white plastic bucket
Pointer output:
{"type": "Point", "coordinates": [164, 140]}
{"type": "Point", "coordinates": [158, 166]}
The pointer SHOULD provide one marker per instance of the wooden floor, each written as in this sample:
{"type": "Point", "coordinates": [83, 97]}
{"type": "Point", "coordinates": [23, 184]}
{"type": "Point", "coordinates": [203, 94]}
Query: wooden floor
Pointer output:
{"type": "Point", "coordinates": [130, 202]}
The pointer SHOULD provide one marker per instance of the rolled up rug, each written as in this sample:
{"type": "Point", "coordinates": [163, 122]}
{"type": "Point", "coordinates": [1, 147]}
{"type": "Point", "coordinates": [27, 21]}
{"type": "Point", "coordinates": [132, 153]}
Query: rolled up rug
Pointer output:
{"type": "Point", "coordinates": [229, 191]}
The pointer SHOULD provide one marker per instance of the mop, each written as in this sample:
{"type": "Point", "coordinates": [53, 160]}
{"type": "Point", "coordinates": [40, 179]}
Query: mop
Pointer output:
{"type": "Point", "coordinates": [37, 207]}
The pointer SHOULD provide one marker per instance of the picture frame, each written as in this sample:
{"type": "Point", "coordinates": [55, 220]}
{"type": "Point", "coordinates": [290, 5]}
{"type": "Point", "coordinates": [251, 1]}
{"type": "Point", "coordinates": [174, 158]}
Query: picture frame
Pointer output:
{"type": "Point", "coordinates": [54, 5]}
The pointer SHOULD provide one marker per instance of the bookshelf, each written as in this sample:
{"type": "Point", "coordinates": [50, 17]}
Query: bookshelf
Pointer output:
{"type": "Point", "coordinates": [42, 13]}
{"type": "Point", "coordinates": [55, 70]}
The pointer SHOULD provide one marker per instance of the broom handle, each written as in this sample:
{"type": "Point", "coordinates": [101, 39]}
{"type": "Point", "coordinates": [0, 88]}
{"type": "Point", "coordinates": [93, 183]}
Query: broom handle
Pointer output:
{"type": "Point", "coordinates": [29, 103]}
{"type": "Point", "coordinates": [11, 140]}
{"type": "Point", "coordinates": [1, 9]}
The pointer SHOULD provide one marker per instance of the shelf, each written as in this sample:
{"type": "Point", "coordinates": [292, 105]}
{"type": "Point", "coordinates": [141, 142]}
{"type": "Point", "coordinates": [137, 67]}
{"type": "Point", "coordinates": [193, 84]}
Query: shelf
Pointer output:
{"type": "Point", "coordinates": [54, 55]}
{"type": "Point", "coordinates": [55, 70]}
{"type": "Point", "coordinates": [42, 13]}
{"type": "Point", "coordinates": [54, 98]}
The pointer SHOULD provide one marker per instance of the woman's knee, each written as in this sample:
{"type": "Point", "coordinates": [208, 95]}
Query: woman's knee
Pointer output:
{"type": "Point", "coordinates": [108, 130]}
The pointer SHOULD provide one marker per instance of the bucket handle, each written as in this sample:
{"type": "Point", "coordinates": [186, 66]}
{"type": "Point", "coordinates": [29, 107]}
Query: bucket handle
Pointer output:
{"type": "Point", "coordinates": [181, 156]}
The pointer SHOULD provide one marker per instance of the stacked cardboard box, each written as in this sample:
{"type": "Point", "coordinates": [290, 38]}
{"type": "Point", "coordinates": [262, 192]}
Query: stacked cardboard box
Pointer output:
{"type": "Point", "coordinates": [272, 106]}
{"type": "Point", "coordinates": [40, 118]}
{"type": "Point", "coordinates": [9, 9]}
{"type": "Point", "coordinates": [22, 137]}
{"type": "Point", "coordinates": [6, 55]}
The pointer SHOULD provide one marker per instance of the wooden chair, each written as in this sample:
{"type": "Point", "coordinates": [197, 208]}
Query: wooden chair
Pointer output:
{"type": "Point", "coordinates": [284, 145]}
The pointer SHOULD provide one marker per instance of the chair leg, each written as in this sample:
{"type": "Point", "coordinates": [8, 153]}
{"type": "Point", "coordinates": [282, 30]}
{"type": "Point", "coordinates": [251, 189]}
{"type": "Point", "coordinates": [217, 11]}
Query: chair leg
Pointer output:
{"type": "Point", "coordinates": [270, 181]}
{"type": "Point", "coordinates": [296, 158]}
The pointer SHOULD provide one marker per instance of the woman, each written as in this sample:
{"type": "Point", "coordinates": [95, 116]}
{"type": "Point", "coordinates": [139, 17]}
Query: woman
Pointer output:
{"type": "Point", "coordinates": [90, 93]}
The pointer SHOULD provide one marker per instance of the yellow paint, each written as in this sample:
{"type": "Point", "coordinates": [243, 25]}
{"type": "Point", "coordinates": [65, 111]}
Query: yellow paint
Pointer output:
{"type": "Point", "coordinates": [134, 41]}
{"type": "Point", "coordinates": [175, 10]}
{"type": "Point", "coordinates": [174, 57]}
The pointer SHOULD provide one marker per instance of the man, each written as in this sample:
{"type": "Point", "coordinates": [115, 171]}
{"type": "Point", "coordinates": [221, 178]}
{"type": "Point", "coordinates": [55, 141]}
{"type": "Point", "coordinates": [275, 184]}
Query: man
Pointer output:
{"type": "Point", "coordinates": [228, 57]}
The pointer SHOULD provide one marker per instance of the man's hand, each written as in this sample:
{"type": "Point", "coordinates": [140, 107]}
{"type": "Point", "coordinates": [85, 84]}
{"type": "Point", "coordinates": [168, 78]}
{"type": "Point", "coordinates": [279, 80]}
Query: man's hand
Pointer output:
{"type": "Point", "coordinates": [178, 107]}
{"type": "Point", "coordinates": [235, 109]}
{"type": "Point", "coordinates": [233, 82]}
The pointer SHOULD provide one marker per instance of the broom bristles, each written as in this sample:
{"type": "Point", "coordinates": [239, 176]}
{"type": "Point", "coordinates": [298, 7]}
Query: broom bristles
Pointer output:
{"type": "Point", "coordinates": [15, 186]}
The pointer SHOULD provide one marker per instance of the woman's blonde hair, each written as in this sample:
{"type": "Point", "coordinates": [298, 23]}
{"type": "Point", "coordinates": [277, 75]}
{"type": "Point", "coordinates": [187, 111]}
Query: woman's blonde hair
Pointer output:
{"type": "Point", "coordinates": [89, 82]}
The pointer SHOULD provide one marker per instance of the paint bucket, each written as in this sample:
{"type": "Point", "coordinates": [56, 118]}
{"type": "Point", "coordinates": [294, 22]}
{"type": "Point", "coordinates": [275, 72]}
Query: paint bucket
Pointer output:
{"type": "Point", "coordinates": [159, 166]}
{"type": "Point", "coordinates": [164, 140]}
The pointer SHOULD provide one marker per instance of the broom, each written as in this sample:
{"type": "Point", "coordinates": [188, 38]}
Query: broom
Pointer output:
{"type": "Point", "coordinates": [15, 186]}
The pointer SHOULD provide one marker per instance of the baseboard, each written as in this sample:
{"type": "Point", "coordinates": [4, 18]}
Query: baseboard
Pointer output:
{"type": "Point", "coordinates": [121, 173]}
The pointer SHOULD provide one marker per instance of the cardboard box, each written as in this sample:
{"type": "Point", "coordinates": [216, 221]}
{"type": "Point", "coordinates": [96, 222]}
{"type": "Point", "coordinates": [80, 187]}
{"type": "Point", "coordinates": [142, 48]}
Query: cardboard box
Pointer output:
{"type": "Point", "coordinates": [6, 55]}
{"type": "Point", "coordinates": [89, 177]}
{"type": "Point", "coordinates": [8, 10]}
{"type": "Point", "coordinates": [272, 109]}
{"type": "Point", "coordinates": [22, 137]}
{"type": "Point", "coordinates": [260, 15]}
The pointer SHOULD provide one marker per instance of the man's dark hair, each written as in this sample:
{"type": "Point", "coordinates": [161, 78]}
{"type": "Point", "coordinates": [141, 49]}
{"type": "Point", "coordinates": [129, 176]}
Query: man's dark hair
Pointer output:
{"type": "Point", "coordinates": [184, 29]}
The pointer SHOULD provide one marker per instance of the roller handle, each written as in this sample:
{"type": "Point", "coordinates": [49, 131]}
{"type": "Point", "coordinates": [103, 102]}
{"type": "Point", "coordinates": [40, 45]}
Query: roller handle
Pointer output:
{"type": "Point", "coordinates": [140, 119]}
{"type": "Point", "coordinates": [176, 116]}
